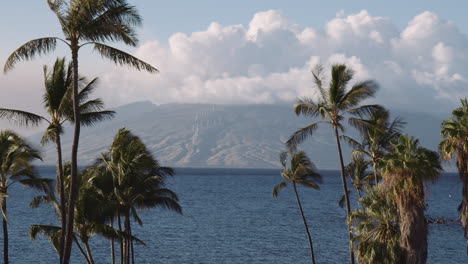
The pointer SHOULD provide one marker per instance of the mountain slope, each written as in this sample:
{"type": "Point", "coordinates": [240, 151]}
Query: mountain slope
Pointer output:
{"type": "Point", "coordinates": [202, 135]}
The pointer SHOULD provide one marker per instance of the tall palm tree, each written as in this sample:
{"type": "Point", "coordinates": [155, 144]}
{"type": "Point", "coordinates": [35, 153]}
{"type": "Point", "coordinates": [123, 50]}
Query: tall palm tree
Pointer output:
{"type": "Point", "coordinates": [334, 104]}
{"type": "Point", "coordinates": [376, 138]}
{"type": "Point", "coordinates": [131, 178]}
{"type": "Point", "coordinates": [377, 233]}
{"type": "Point", "coordinates": [404, 170]}
{"type": "Point", "coordinates": [58, 104]}
{"type": "Point", "coordinates": [85, 22]}
{"type": "Point", "coordinates": [303, 172]}
{"type": "Point", "coordinates": [16, 156]}
{"type": "Point", "coordinates": [455, 143]}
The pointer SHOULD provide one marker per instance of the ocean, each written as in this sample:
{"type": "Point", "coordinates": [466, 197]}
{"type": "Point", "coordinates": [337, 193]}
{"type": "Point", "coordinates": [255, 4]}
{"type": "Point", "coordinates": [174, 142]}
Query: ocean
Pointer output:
{"type": "Point", "coordinates": [229, 216]}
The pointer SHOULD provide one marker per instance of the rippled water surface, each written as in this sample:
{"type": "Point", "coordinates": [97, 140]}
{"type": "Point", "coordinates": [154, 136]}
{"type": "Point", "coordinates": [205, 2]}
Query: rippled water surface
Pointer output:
{"type": "Point", "coordinates": [230, 217]}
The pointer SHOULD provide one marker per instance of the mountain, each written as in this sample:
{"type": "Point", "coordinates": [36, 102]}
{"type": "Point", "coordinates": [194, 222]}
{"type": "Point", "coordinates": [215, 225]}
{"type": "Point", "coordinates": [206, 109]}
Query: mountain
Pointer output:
{"type": "Point", "coordinates": [205, 135]}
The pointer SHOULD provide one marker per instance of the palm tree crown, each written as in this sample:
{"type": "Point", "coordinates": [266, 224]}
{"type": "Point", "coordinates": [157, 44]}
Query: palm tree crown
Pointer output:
{"type": "Point", "coordinates": [334, 102]}
{"type": "Point", "coordinates": [89, 22]}
{"type": "Point", "coordinates": [16, 156]}
{"type": "Point", "coordinates": [376, 137]}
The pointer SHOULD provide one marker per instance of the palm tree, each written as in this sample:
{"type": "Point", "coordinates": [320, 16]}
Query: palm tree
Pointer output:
{"type": "Point", "coordinates": [58, 104]}
{"type": "Point", "coordinates": [303, 172]}
{"type": "Point", "coordinates": [131, 178]}
{"type": "Point", "coordinates": [91, 212]}
{"type": "Point", "coordinates": [377, 233]}
{"type": "Point", "coordinates": [85, 22]}
{"type": "Point", "coordinates": [404, 170]}
{"type": "Point", "coordinates": [356, 170]}
{"type": "Point", "coordinates": [455, 143]}
{"type": "Point", "coordinates": [376, 138]}
{"type": "Point", "coordinates": [333, 106]}
{"type": "Point", "coordinates": [16, 156]}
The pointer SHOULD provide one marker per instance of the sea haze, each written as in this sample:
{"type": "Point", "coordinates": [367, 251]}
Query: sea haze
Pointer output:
{"type": "Point", "coordinates": [236, 136]}
{"type": "Point", "coordinates": [229, 216]}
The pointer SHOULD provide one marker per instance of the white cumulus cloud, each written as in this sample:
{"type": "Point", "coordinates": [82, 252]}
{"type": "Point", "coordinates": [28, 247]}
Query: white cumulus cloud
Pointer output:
{"type": "Point", "coordinates": [269, 61]}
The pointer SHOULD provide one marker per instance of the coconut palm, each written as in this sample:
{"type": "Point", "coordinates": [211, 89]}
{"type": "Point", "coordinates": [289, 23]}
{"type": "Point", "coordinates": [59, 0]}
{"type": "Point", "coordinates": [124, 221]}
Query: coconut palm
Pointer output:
{"type": "Point", "coordinates": [455, 144]}
{"type": "Point", "coordinates": [376, 229]}
{"type": "Point", "coordinates": [356, 170]}
{"type": "Point", "coordinates": [404, 170]}
{"type": "Point", "coordinates": [301, 171]}
{"type": "Point", "coordinates": [58, 104]}
{"type": "Point", "coordinates": [333, 105]}
{"type": "Point", "coordinates": [85, 22]}
{"type": "Point", "coordinates": [132, 179]}
{"type": "Point", "coordinates": [16, 156]}
{"type": "Point", "coordinates": [91, 212]}
{"type": "Point", "coordinates": [376, 138]}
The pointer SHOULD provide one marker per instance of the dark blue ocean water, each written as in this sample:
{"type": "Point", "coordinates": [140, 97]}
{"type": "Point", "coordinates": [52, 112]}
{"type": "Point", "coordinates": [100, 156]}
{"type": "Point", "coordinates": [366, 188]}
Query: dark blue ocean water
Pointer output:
{"type": "Point", "coordinates": [230, 217]}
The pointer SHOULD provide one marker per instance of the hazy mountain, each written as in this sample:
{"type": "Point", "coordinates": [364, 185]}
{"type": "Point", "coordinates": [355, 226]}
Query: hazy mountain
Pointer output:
{"type": "Point", "coordinates": [202, 135]}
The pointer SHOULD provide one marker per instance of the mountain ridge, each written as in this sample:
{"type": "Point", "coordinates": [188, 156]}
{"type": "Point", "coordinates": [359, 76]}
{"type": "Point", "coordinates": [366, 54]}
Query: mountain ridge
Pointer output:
{"type": "Point", "coordinates": [221, 136]}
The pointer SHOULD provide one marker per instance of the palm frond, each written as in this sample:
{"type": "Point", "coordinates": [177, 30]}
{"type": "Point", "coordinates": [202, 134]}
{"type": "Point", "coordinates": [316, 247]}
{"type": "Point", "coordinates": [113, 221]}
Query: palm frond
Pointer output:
{"type": "Point", "coordinates": [84, 93]}
{"type": "Point", "coordinates": [359, 93]}
{"type": "Point", "coordinates": [278, 188]}
{"type": "Point", "coordinates": [340, 77]}
{"type": "Point", "coordinates": [307, 107]}
{"type": "Point", "coordinates": [317, 73]}
{"type": "Point", "coordinates": [122, 58]}
{"type": "Point", "coordinates": [301, 135]}
{"type": "Point", "coordinates": [114, 24]}
{"type": "Point", "coordinates": [29, 50]}
{"type": "Point", "coordinates": [92, 118]}
{"type": "Point", "coordinates": [46, 230]}
{"type": "Point", "coordinates": [365, 110]}
{"type": "Point", "coordinates": [21, 118]}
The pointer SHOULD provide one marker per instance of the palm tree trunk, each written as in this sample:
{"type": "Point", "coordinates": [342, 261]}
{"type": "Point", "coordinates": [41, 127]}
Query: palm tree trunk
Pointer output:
{"type": "Point", "coordinates": [127, 239]}
{"type": "Point", "coordinates": [82, 251]}
{"type": "Point", "coordinates": [60, 181]}
{"type": "Point", "coordinates": [345, 190]}
{"type": "Point", "coordinates": [413, 229]}
{"type": "Point", "coordinates": [121, 239]}
{"type": "Point", "coordinates": [132, 252]}
{"type": "Point", "coordinates": [312, 257]}
{"type": "Point", "coordinates": [88, 252]}
{"type": "Point", "coordinates": [5, 229]}
{"type": "Point", "coordinates": [112, 243]}
{"type": "Point", "coordinates": [462, 164]}
{"type": "Point", "coordinates": [74, 164]}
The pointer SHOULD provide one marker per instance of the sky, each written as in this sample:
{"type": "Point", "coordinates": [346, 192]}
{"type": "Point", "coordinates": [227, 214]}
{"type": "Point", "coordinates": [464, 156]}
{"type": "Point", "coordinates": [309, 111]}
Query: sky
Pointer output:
{"type": "Point", "coordinates": [249, 52]}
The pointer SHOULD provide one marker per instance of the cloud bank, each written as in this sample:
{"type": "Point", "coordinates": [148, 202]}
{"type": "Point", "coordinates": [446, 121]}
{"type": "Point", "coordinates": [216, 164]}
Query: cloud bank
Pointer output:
{"type": "Point", "coordinates": [269, 61]}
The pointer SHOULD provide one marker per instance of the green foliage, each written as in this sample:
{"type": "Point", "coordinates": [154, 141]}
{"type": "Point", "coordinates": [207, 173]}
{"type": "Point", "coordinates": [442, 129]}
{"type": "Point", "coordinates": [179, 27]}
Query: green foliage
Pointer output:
{"type": "Point", "coordinates": [57, 100]}
{"type": "Point", "coordinates": [405, 169]}
{"type": "Point", "coordinates": [455, 144]}
{"type": "Point", "coordinates": [16, 156]}
{"type": "Point", "coordinates": [407, 166]}
{"type": "Point", "coordinates": [335, 102]}
{"type": "Point", "coordinates": [301, 171]}
{"type": "Point", "coordinates": [91, 22]}
{"type": "Point", "coordinates": [376, 229]}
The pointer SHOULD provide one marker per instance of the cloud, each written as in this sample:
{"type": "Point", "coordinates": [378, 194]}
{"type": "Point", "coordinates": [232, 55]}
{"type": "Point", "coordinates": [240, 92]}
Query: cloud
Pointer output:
{"type": "Point", "coordinates": [269, 61]}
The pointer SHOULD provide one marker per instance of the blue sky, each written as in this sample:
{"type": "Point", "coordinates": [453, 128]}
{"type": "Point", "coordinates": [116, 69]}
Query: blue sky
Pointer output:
{"type": "Point", "coordinates": [268, 58]}
{"type": "Point", "coordinates": [163, 18]}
